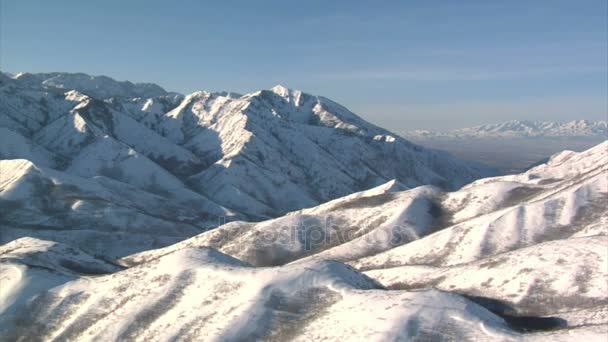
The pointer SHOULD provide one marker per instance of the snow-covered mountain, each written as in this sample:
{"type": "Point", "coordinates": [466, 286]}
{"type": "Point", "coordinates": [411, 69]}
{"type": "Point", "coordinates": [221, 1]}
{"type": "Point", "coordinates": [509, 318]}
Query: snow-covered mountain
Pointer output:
{"type": "Point", "coordinates": [518, 128]}
{"type": "Point", "coordinates": [260, 154]}
{"type": "Point", "coordinates": [509, 258]}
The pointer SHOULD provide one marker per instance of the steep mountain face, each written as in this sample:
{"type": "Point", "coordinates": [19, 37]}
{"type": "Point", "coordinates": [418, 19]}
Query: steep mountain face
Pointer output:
{"type": "Point", "coordinates": [278, 145]}
{"type": "Point", "coordinates": [520, 128]}
{"type": "Point", "coordinates": [260, 154]}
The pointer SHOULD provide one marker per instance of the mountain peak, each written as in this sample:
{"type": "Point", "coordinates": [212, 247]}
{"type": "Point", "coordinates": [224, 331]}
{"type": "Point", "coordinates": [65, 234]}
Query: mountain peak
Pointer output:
{"type": "Point", "coordinates": [289, 94]}
{"type": "Point", "coordinates": [280, 89]}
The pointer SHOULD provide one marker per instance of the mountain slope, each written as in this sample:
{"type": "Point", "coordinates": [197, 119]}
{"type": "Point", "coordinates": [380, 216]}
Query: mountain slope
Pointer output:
{"type": "Point", "coordinates": [100, 215]}
{"type": "Point", "coordinates": [524, 281]}
{"type": "Point", "coordinates": [107, 198]}
{"type": "Point", "coordinates": [564, 197]}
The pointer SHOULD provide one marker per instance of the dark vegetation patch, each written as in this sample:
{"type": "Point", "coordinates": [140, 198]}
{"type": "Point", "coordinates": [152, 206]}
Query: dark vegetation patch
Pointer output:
{"type": "Point", "coordinates": [82, 269]}
{"type": "Point", "coordinates": [407, 286]}
{"type": "Point", "coordinates": [520, 323]}
{"type": "Point", "coordinates": [366, 202]}
{"type": "Point", "coordinates": [519, 195]}
{"type": "Point", "coordinates": [290, 314]}
{"type": "Point", "coordinates": [145, 317]}
{"type": "Point", "coordinates": [442, 218]}
{"type": "Point", "coordinates": [548, 181]}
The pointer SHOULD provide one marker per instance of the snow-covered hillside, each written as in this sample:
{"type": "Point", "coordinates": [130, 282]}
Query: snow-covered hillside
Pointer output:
{"type": "Point", "coordinates": [201, 294]}
{"type": "Point", "coordinates": [99, 214]}
{"type": "Point", "coordinates": [532, 244]}
{"type": "Point", "coordinates": [518, 128]}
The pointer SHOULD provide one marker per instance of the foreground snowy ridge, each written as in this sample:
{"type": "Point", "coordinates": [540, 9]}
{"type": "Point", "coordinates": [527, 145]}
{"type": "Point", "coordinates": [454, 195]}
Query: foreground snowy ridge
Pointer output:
{"type": "Point", "coordinates": [510, 258]}
{"type": "Point", "coordinates": [199, 293]}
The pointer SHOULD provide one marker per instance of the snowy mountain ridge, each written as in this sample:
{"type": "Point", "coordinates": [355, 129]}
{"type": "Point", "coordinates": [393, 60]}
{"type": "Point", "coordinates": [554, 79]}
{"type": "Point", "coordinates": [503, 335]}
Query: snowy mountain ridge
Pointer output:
{"type": "Point", "coordinates": [101, 87]}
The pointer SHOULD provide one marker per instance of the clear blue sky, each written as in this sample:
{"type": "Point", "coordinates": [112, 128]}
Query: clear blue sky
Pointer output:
{"type": "Point", "coordinates": [401, 64]}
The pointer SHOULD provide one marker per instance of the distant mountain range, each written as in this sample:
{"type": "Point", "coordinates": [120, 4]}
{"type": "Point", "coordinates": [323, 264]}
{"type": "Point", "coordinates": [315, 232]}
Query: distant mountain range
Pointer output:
{"type": "Point", "coordinates": [518, 128]}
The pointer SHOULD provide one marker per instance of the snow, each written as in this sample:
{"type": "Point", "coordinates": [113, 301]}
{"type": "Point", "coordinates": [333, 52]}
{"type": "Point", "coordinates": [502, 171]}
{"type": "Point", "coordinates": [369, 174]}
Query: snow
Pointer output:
{"type": "Point", "coordinates": [421, 225]}
{"type": "Point", "coordinates": [196, 293]}
{"type": "Point", "coordinates": [15, 145]}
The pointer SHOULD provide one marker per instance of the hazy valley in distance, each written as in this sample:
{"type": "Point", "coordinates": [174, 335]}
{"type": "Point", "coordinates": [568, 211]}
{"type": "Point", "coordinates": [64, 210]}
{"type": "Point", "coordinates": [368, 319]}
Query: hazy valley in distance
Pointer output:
{"type": "Point", "coordinates": [513, 146]}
